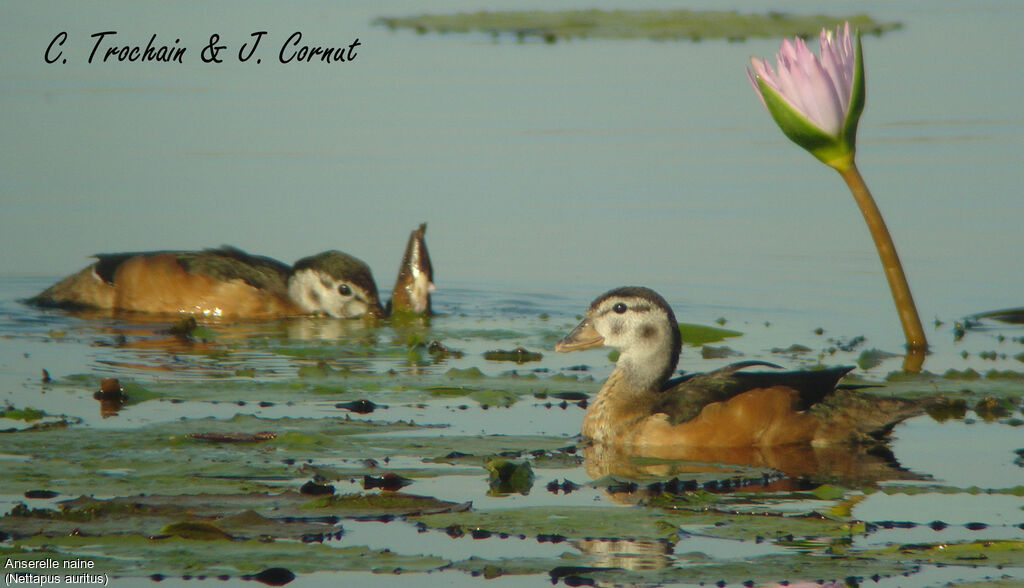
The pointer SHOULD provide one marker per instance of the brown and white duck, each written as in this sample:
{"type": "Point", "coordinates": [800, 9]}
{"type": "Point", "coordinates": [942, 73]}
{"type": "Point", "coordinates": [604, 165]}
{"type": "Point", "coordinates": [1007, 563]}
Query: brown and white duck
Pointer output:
{"type": "Point", "coordinates": [640, 406]}
{"type": "Point", "coordinates": [231, 283]}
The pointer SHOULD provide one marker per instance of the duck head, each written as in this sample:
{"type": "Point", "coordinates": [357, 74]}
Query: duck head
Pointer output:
{"type": "Point", "coordinates": [415, 281]}
{"type": "Point", "coordinates": [640, 325]}
{"type": "Point", "coordinates": [335, 284]}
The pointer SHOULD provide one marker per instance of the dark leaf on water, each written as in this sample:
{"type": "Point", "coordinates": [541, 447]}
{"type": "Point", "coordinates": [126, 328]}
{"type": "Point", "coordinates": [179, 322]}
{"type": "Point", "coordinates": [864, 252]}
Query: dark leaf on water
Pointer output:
{"type": "Point", "coordinates": [233, 437]}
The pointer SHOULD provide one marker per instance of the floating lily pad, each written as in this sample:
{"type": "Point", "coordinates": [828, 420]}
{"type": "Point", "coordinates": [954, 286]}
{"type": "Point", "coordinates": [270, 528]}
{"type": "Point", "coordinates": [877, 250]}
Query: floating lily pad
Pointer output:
{"type": "Point", "coordinates": [392, 503]}
{"type": "Point", "coordinates": [1006, 552]}
{"type": "Point", "coordinates": [573, 522]}
{"type": "Point", "coordinates": [518, 355]}
{"type": "Point", "coordinates": [697, 335]}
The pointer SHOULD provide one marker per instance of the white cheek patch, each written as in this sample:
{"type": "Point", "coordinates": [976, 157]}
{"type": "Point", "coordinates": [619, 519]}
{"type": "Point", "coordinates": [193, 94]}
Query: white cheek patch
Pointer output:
{"type": "Point", "coordinates": [317, 293]}
{"type": "Point", "coordinates": [301, 288]}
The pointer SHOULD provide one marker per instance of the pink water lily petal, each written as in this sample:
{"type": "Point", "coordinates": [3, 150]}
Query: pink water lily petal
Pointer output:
{"type": "Point", "coordinates": [819, 88]}
{"type": "Point", "coordinates": [835, 52]}
{"type": "Point", "coordinates": [818, 93]}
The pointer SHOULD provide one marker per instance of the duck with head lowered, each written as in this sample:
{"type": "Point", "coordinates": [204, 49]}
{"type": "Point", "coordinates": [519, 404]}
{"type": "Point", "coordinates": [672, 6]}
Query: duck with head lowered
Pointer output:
{"type": "Point", "coordinates": [230, 283]}
{"type": "Point", "coordinates": [641, 406]}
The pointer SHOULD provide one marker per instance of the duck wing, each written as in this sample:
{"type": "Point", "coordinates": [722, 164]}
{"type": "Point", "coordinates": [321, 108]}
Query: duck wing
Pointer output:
{"type": "Point", "coordinates": [229, 263]}
{"type": "Point", "coordinates": [683, 398]}
{"type": "Point", "coordinates": [224, 264]}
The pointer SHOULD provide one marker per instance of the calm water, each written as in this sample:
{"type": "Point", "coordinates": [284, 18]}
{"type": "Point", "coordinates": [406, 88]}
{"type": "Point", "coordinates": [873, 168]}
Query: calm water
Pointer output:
{"type": "Point", "coordinates": [547, 174]}
{"type": "Point", "coordinates": [598, 163]}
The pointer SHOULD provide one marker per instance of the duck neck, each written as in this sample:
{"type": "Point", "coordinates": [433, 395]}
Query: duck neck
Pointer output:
{"type": "Point", "coordinates": [629, 395]}
{"type": "Point", "coordinates": [647, 368]}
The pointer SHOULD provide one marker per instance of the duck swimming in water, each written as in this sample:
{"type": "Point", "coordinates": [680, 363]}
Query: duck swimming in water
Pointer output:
{"type": "Point", "coordinates": [640, 406]}
{"type": "Point", "coordinates": [229, 283]}
{"type": "Point", "coordinates": [225, 282]}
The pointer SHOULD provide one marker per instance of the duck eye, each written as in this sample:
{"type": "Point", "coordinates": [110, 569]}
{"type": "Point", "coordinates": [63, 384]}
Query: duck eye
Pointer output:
{"type": "Point", "coordinates": [344, 290]}
{"type": "Point", "coordinates": [619, 308]}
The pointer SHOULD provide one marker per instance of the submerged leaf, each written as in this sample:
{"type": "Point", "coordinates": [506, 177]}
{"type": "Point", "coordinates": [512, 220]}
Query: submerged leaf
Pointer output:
{"type": "Point", "coordinates": [507, 476]}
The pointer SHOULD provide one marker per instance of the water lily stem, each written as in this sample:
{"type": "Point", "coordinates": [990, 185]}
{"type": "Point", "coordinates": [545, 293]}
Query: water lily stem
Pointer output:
{"type": "Point", "coordinates": [917, 344]}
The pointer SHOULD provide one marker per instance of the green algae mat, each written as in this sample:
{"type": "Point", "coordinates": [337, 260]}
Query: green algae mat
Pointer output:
{"type": "Point", "coordinates": [447, 448]}
{"type": "Point", "coordinates": [658, 25]}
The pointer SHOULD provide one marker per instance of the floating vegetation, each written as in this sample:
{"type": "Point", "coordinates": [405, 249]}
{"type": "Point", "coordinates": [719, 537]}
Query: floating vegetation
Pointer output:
{"type": "Point", "coordinates": [870, 358]}
{"type": "Point", "coordinates": [508, 476]}
{"type": "Point", "coordinates": [518, 355]}
{"type": "Point", "coordinates": [658, 25]}
{"type": "Point", "coordinates": [22, 414]}
{"type": "Point", "coordinates": [1009, 315]}
{"type": "Point", "coordinates": [723, 352]}
{"type": "Point", "coordinates": [259, 454]}
{"type": "Point", "coordinates": [698, 335]}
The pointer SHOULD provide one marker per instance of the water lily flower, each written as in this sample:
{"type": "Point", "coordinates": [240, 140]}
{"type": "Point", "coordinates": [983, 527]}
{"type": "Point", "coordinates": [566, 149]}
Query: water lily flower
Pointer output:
{"type": "Point", "coordinates": [817, 102]}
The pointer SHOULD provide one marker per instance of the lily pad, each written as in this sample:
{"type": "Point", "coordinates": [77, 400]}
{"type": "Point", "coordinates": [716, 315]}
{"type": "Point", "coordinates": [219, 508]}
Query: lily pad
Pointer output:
{"type": "Point", "coordinates": [618, 523]}
{"type": "Point", "coordinates": [518, 355]}
{"type": "Point", "coordinates": [698, 335]}
{"type": "Point", "coordinates": [1005, 552]}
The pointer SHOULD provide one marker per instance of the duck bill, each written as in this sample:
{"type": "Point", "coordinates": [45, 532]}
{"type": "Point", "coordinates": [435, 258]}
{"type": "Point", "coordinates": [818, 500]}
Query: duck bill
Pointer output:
{"type": "Point", "coordinates": [375, 310]}
{"type": "Point", "coordinates": [584, 336]}
{"type": "Point", "coordinates": [415, 279]}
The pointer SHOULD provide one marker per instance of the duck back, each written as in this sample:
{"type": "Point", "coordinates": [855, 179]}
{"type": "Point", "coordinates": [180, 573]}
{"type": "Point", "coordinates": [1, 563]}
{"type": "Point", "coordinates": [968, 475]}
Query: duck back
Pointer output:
{"type": "Point", "coordinates": [212, 282]}
{"type": "Point", "coordinates": [683, 398]}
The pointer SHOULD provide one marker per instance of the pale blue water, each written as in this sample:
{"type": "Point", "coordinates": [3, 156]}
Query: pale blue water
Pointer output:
{"type": "Point", "coordinates": [538, 167]}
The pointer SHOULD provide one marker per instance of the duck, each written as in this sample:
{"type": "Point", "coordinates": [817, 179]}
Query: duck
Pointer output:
{"type": "Point", "coordinates": [218, 283]}
{"type": "Point", "coordinates": [642, 406]}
